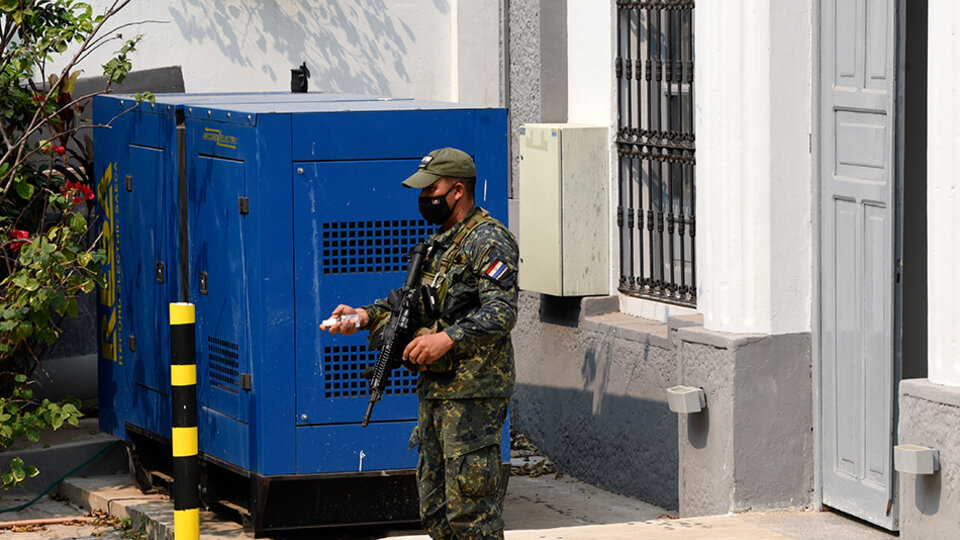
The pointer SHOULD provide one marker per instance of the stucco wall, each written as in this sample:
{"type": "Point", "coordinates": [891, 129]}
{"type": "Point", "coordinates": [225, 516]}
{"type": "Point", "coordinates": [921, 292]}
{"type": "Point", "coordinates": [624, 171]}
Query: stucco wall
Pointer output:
{"type": "Point", "coordinates": [751, 448]}
{"type": "Point", "coordinates": [436, 49]}
{"type": "Point", "coordinates": [930, 416]}
{"type": "Point", "coordinates": [595, 402]}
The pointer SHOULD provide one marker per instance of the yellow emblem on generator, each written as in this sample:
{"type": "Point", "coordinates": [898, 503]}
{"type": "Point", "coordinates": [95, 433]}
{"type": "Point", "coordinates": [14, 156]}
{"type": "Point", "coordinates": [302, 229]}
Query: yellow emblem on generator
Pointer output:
{"type": "Point", "coordinates": [226, 141]}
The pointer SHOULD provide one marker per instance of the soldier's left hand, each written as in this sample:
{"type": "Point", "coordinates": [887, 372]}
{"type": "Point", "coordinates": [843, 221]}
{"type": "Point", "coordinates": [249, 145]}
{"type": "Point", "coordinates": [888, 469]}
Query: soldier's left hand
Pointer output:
{"type": "Point", "coordinates": [425, 350]}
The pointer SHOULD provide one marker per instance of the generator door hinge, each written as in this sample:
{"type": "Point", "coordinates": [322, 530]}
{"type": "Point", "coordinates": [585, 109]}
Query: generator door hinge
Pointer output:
{"type": "Point", "coordinates": [128, 180]}
{"type": "Point", "coordinates": [203, 283]}
{"type": "Point", "coordinates": [244, 204]}
{"type": "Point", "coordinates": [132, 343]}
{"type": "Point", "coordinates": [246, 381]}
{"type": "Point", "coordinates": [159, 272]}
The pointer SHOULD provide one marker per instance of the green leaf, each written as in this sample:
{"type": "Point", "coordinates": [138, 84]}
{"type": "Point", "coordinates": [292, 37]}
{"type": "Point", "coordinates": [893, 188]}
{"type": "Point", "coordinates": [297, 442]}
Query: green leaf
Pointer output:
{"type": "Point", "coordinates": [77, 223]}
{"type": "Point", "coordinates": [33, 435]}
{"type": "Point", "coordinates": [57, 422]}
{"type": "Point", "coordinates": [25, 190]}
{"type": "Point", "coordinates": [31, 471]}
{"type": "Point", "coordinates": [70, 408]}
{"type": "Point", "coordinates": [16, 463]}
{"type": "Point", "coordinates": [72, 307]}
{"type": "Point", "coordinates": [20, 378]}
{"type": "Point", "coordinates": [27, 394]}
{"type": "Point", "coordinates": [7, 478]}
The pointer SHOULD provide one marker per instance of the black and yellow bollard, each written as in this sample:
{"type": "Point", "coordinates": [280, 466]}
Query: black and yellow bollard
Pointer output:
{"type": "Point", "coordinates": [183, 394]}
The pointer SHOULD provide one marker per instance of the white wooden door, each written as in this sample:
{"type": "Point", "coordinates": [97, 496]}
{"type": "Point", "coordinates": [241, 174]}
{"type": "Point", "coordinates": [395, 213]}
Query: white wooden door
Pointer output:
{"type": "Point", "coordinates": [858, 72]}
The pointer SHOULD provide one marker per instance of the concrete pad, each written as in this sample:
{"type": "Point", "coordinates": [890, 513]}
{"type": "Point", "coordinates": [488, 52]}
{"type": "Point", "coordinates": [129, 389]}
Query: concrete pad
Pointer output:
{"type": "Point", "coordinates": [548, 502]}
{"type": "Point", "coordinates": [814, 525]}
{"type": "Point", "coordinates": [710, 528]}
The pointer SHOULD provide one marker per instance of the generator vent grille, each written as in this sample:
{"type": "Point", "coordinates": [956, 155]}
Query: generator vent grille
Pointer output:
{"type": "Point", "coordinates": [342, 366]}
{"type": "Point", "coordinates": [359, 247]}
{"type": "Point", "coordinates": [224, 365]}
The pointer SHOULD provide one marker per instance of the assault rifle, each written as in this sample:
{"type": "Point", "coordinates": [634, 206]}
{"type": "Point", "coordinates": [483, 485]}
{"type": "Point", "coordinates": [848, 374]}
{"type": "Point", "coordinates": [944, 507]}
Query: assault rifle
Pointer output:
{"type": "Point", "coordinates": [398, 331]}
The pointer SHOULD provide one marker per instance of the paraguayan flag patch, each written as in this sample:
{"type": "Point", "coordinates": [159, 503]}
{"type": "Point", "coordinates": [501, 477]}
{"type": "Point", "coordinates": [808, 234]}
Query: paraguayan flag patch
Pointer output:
{"type": "Point", "coordinates": [497, 269]}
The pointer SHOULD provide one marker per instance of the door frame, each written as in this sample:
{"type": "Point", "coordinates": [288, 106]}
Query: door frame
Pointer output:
{"type": "Point", "coordinates": [816, 130]}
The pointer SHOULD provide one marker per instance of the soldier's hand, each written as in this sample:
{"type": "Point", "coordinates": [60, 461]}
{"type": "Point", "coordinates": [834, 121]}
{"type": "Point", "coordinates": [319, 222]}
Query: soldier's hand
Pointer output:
{"type": "Point", "coordinates": [425, 350]}
{"type": "Point", "coordinates": [343, 325]}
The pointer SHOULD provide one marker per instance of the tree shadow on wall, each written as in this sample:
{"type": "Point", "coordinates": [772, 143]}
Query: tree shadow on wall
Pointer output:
{"type": "Point", "coordinates": [353, 46]}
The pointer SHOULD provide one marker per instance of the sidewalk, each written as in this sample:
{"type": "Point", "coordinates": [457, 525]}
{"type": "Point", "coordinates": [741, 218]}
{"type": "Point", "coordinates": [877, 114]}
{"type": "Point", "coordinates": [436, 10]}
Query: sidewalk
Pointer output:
{"type": "Point", "coordinates": [543, 508]}
{"type": "Point", "coordinates": [546, 507]}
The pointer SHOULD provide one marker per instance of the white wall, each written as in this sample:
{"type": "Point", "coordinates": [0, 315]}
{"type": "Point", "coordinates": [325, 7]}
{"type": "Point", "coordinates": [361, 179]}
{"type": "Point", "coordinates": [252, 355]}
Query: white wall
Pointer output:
{"type": "Point", "coordinates": [387, 47]}
{"type": "Point", "coordinates": [943, 192]}
{"type": "Point", "coordinates": [753, 117]}
{"type": "Point", "coordinates": [590, 78]}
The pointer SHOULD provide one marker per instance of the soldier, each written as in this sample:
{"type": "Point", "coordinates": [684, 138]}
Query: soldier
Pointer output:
{"type": "Point", "coordinates": [465, 357]}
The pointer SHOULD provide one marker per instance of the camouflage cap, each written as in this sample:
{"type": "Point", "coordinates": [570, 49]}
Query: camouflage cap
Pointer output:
{"type": "Point", "coordinates": [439, 163]}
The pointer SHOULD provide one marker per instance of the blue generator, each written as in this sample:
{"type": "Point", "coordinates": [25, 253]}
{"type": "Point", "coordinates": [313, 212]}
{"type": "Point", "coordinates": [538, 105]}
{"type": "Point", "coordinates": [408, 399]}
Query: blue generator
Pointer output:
{"type": "Point", "coordinates": [266, 211]}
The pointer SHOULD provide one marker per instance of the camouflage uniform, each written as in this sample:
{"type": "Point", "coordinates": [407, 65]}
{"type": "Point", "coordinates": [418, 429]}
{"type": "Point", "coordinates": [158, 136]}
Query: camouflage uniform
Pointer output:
{"type": "Point", "coordinates": [464, 395]}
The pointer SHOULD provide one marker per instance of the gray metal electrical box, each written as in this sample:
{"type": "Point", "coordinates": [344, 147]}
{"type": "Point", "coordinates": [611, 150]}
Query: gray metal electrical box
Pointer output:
{"type": "Point", "coordinates": [564, 209]}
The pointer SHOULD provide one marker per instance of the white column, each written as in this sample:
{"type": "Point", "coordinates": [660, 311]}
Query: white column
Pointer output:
{"type": "Point", "coordinates": [477, 53]}
{"type": "Point", "coordinates": [753, 179]}
{"type": "Point", "coordinates": [943, 192]}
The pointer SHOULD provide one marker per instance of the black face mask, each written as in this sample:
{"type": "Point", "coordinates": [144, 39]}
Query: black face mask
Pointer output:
{"type": "Point", "coordinates": [435, 209]}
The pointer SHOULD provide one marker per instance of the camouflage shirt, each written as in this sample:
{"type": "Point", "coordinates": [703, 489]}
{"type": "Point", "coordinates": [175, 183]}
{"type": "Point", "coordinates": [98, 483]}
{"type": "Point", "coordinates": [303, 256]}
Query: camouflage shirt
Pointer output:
{"type": "Point", "coordinates": [477, 289]}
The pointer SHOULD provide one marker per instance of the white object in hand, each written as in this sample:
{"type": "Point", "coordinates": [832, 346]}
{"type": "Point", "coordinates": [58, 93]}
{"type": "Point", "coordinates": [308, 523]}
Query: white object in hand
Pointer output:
{"type": "Point", "coordinates": [343, 318]}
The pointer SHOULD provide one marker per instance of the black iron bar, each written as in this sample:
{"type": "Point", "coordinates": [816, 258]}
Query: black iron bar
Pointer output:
{"type": "Point", "coordinates": [630, 131]}
{"type": "Point", "coordinates": [681, 222]}
{"type": "Point", "coordinates": [649, 139]}
{"type": "Point", "coordinates": [637, 166]}
{"type": "Point", "coordinates": [620, 135]}
{"type": "Point", "coordinates": [672, 66]}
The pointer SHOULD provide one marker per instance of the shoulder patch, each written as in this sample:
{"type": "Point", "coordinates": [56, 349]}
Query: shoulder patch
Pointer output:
{"type": "Point", "coordinates": [497, 269]}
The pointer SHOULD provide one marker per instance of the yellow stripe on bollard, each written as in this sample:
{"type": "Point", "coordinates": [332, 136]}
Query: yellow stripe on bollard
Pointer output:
{"type": "Point", "coordinates": [184, 441]}
{"type": "Point", "coordinates": [182, 313]}
{"type": "Point", "coordinates": [186, 524]}
{"type": "Point", "coordinates": [183, 375]}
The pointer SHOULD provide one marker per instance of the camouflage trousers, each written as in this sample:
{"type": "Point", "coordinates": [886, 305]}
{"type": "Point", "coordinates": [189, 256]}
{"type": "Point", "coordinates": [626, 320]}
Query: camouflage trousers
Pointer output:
{"type": "Point", "coordinates": [458, 475]}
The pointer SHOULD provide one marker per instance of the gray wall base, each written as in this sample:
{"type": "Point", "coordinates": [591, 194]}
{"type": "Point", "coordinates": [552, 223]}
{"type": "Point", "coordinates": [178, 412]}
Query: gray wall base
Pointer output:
{"type": "Point", "coordinates": [751, 448]}
{"type": "Point", "coordinates": [592, 396]}
{"type": "Point", "coordinates": [591, 393]}
{"type": "Point", "coordinates": [930, 416]}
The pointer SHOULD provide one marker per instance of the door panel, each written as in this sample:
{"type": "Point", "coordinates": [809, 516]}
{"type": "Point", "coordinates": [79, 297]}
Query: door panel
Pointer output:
{"type": "Point", "coordinates": [146, 316]}
{"type": "Point", "coordinates": [858, 177]}
{"type": "Point", "coordinates": [219, 285]}
{"type": "Point", "coordinates": [354, 225]}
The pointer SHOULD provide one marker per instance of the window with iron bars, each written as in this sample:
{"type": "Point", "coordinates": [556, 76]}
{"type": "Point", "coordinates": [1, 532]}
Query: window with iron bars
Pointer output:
{"type": "Point", "coordinates": [655, 150]}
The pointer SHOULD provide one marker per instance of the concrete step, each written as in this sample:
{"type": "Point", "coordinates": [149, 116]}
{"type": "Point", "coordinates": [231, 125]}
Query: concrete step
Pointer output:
{"type": "Point", "coordinates": [117, 496]}
{"type": "Point", "coordinates": [58, 452]}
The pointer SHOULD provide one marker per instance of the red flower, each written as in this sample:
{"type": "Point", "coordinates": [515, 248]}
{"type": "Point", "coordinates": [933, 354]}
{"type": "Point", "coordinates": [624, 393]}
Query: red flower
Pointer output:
{"type": "Point", "coordinates": [78, 191]}
{"type": "Point", "coordinates": [60, 150]}
{"type": "Point", "coordinates": [19, 235]}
